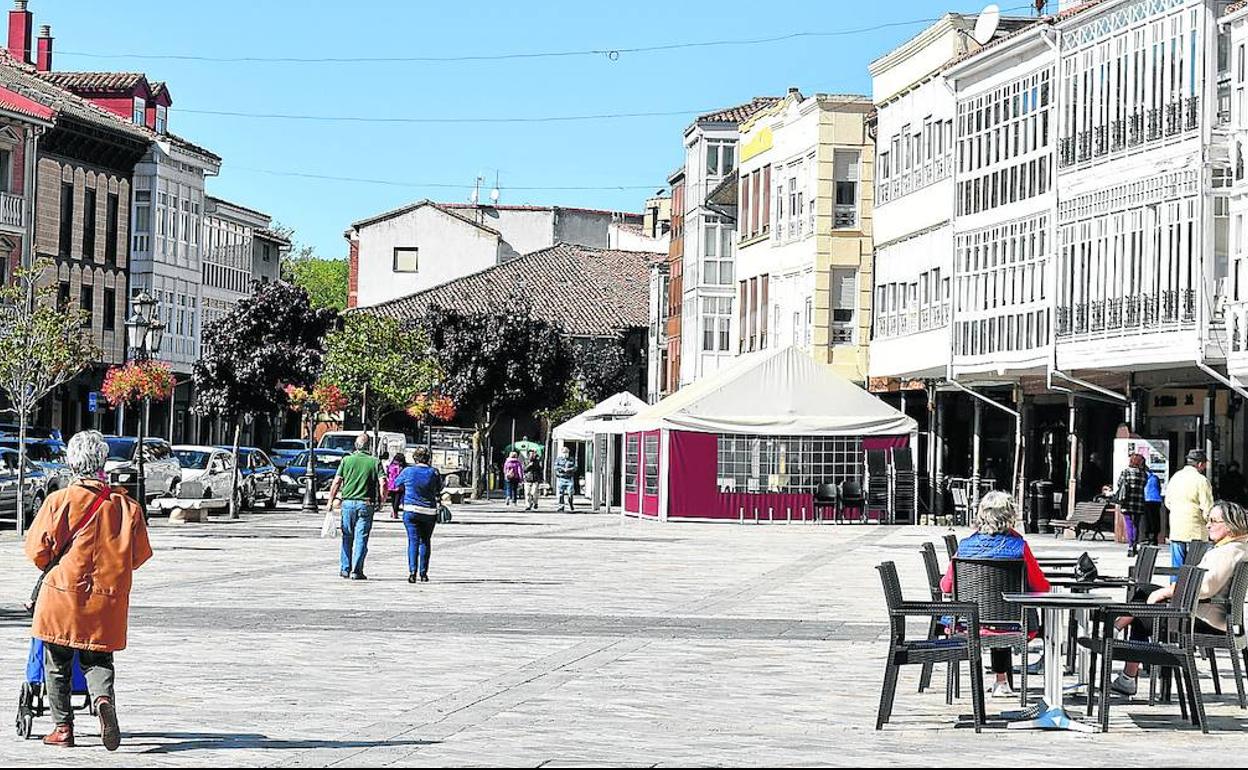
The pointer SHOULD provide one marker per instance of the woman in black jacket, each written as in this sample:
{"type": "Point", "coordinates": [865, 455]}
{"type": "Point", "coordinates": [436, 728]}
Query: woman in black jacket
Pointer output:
{"type": "Point", "coordinates": [532, 480]}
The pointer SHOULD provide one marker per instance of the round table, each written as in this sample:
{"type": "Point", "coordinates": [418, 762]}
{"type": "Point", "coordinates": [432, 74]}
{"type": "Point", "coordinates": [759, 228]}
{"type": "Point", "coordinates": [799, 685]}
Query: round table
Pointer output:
{"type": "Point", "coordinates": [1050, 713]}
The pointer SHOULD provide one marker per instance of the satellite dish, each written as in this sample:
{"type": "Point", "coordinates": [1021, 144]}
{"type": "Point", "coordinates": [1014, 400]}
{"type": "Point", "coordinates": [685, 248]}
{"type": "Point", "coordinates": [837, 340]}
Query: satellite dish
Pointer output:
{"type": "Point", "coordinates": [987, 23]}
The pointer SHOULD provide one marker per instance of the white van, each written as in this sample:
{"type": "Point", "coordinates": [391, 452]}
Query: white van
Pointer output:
{"type": "Point", "coordinates": [387, 443]}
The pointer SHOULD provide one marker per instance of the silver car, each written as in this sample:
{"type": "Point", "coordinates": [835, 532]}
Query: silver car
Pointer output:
{"type": "Point", "coordinates": [207, 472]}
{"type": "Point", "coordinates": [36, 488]}
{"type": "Point", "coordinates": [161, 471]}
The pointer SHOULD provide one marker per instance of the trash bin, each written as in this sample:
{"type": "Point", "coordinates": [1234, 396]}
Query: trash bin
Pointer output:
{"type": "Point", "coordinates": [1041, 507]}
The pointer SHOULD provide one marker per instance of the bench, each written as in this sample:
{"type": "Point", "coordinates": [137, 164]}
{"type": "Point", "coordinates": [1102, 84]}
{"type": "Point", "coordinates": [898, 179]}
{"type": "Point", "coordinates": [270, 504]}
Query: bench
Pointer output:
{"type": "Point", "coordinates": [1097, 518]}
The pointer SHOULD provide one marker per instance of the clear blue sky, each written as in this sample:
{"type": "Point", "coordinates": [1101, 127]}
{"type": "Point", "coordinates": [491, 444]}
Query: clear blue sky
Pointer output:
{"type": "Point", "coordinates": [600, 154]}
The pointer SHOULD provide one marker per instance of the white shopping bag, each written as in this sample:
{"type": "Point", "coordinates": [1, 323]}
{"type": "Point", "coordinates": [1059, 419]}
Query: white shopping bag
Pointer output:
{"type": "Point", "coordinates": [331, 526]}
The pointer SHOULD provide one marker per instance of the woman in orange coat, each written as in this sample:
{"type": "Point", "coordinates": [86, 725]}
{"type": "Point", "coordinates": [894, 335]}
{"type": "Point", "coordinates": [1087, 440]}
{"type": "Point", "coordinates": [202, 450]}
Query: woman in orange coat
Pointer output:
{"type": "Point", "coordinates": [84, 604]}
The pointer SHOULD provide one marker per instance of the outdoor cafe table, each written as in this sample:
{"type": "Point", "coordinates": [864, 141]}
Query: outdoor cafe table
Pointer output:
{"type": "Point", "coordinates": [1050, 712]}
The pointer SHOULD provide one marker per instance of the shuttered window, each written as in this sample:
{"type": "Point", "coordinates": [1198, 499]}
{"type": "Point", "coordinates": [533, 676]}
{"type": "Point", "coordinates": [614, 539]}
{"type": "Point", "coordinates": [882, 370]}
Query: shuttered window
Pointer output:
{"type": "Point", "coordinates": [845, 165]}
{"type": "Point", "coordinates": [844, 287]}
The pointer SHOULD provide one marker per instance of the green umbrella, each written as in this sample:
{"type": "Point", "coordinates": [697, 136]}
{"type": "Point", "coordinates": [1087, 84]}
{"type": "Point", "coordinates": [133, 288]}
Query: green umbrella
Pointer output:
{"type": "Point", "coordinates": [524, 447]}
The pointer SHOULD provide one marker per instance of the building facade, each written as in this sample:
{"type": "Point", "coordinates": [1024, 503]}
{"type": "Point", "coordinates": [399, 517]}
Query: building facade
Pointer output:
{"type": "Point", "coordinates": [670, 378]}
{"type": "Point", "coordinates": [708, 276]}
{"type": "Point", "coordinates": [804, 222]}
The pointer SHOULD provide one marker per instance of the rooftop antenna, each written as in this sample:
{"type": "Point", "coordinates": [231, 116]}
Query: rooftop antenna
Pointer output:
{"type": "Point", "coordinates": [494, 194]}
{"type": "Point", "coordinates": [987, 23]}
{"type": "Point", "coordinates": [475, 198]}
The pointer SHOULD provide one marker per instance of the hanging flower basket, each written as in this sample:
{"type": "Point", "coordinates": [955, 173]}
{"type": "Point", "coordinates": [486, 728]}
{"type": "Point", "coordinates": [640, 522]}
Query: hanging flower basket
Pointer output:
{"type": "Point", "coordinates": [136, 380]}
{"type": "Point", "coordinates": [436, 407]}
{"type": "Point", "coordinates": [325, 399]}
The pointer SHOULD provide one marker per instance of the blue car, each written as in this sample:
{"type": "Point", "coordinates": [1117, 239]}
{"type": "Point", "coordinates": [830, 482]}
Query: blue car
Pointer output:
{"type": "Point", "coordinates": [291, 482]}
{"type": "Point", "coordinates": [257, 477]}
{"type": "Point", "coordinates": [282, 452]}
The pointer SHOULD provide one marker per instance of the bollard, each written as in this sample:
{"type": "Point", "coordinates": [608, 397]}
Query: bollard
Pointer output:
{"type": "Point", "coordinates": [770, 517]}
{"type": "Point", "coordinates": [788, 515]}
{"type": "Point", "coordinates": [741, 515]}
{"type": "Point", "coordinates": [755, 515]}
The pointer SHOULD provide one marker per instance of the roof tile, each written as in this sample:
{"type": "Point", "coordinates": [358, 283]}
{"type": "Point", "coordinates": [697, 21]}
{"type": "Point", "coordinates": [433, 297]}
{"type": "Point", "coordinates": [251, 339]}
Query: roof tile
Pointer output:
{"type": "Point", "coordinates": [739, 112]}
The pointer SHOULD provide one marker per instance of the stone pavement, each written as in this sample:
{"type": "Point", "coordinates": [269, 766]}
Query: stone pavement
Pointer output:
{"type": "Point", "coordinates": [547, 640]}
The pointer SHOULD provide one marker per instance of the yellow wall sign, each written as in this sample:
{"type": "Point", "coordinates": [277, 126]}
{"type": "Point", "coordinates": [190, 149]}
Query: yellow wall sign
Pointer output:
{"type": "Point", "coordinates": [761, 142]}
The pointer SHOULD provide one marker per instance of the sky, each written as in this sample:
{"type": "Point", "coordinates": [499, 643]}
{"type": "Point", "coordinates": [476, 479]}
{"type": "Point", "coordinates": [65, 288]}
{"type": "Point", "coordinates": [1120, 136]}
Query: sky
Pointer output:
{"type": "Point", "coordinates": [616, 162]}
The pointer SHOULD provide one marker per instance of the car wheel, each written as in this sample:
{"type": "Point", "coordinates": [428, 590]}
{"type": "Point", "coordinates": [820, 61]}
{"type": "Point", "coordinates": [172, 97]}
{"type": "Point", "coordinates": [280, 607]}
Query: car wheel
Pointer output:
{"type": "Point", "coordinates": [271, 503]}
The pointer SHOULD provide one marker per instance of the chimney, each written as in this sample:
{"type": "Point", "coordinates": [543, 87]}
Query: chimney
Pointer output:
{"type": "Point", "coordinates": [44, 61]}
{"type": "Point", "coordinates": [21, 24]}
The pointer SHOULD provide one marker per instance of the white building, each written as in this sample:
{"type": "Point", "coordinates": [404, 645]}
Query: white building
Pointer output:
{"type": "Point", "coordinates": [708, 277]}
{"type": "Point", "coordinates": [426, 244]}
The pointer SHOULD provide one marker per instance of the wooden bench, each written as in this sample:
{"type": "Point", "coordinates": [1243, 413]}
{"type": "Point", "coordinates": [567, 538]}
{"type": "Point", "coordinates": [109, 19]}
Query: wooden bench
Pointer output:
{"type": "Point", "coordinates": [1097, 518]}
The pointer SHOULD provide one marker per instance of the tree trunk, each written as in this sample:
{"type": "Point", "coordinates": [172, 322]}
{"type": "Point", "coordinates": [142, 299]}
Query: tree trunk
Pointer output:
{"type": "Point", "coordinates": [478, 463]}
{"type": "Point", "coordinates": [238, 426]}
{"type": "Point", "coordinates": [21, 471]}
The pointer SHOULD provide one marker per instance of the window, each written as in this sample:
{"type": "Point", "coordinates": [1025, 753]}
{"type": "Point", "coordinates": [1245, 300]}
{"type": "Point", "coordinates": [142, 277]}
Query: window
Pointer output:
{"type": "Point", "coordinates": [162, 118]}
{"type": "Point", "coordinates": [650, 465]}
{"type": "Point", "coordinates": [67, 219]}
{"type": "Point", "coordinates": [62, 295]}
{"type": "Point", "coordinates": [844, 289]}
{"type": "Point", "coordinates": [846, 170]}
{"type": "Point", "coordinates": [785, 464]}
{"type": "Point", "coordinates": [88, 224]}
{"type": "Point", "coordinates": [716, 323]}
{"type": "Point", "coordinates": [632, 452]}
{"type": "Point", "coordinates": [110, 229]}
{"type": "Point", "coordinates": [406, 259]}
{"type": "Point", "coordinates": [140, 111]}
{"type": "Point", "coordinates": [87, 302]}
{"type": "Point", "coordinates": [6, 170]}
{"type": "Point", "coordinates": [720, 158]}
{"type": "Point", "coordinates": [110, 310]}
{"type": "Point", "coordinates": [717, 253]}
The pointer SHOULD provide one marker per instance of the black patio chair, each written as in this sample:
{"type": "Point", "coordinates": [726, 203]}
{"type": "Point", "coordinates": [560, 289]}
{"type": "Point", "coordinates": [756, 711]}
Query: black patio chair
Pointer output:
{"type": "Point", "coordinates": [852, 496]}
{"type": "Point", "coordinates": [1003, 625]}
{"type": "Point", "coordinates": [936, 629]}
{"type": "Point", "coordinates": [951, 545]}
{"type": "Point", "coordinates": [1196, 551]}
{"type": "Point", "coordinates": [905, 652]}
{"type": "Point", "coordinates": [1171, 648]}
{"type": "Point", "coordinates": [1234, 639]}
{"type": "Point", "coordinates": [826, 496]}
{"type": "Point", "coordinates": [1145, 564]}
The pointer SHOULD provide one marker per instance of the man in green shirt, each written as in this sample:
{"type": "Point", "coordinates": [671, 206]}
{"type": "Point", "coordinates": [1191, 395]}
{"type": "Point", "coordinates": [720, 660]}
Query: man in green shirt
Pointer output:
{"type": "Point", "coordinates": [361, 482]}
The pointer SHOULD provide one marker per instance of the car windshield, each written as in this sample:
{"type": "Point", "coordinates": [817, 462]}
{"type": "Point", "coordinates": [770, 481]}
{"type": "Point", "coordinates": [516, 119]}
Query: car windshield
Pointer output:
{"type": "Point", "coordinates": [341, 443]}
{"type": "Point", "coordinates": [289, 446]}
{"type": "Point", "coordinates": [192, 458]}
{"type": "Point", "coordinates": [323, 460]}
{"type": "Point", "coordinates": [121, 449]}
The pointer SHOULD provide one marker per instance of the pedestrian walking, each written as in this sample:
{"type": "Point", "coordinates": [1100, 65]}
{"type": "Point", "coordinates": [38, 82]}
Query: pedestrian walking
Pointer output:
{"type": "Point", "coordinates": [1130, 496]}
{"type": "Point", "coordinates": [1152, 508]}
{"type": "Point", "coordinates": [1189, 497]}
{"type": "Point", "coordinates": [421, 487]}
{"type": "Point", "coordinates": [513, 477]}
{"type": "Point", "coordinates": [396, 466]}
{"type": "Point", "coordinates": [532, 480]}
{"type": "Point", "coordinates": [89, 538]}
{"type": "Point", "coordinates": [565, 477]}
{"type": "Point", "coordinates": [361, 484]}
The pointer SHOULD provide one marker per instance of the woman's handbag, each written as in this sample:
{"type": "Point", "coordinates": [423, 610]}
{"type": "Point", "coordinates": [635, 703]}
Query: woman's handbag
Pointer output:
{"type": "Point", "coordinates": [100, 497]}
{"type": "Point", "coordinates": [444, 515]}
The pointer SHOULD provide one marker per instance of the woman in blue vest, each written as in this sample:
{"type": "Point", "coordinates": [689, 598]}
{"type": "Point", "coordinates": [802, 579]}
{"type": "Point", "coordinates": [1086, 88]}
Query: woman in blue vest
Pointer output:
{"type": "Point", "coordinates": [421, 485]}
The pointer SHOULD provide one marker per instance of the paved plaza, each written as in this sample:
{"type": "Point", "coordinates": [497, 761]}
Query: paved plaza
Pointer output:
{"type": "Point", "coordinates": [547, 640]}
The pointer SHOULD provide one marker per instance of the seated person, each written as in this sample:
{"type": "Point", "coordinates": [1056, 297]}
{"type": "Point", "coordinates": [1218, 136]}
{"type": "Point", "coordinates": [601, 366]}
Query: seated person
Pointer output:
{"type": "Point", "coordinates": [996, 538]}
{"type": "Point", "coordinates": [1228, 528]}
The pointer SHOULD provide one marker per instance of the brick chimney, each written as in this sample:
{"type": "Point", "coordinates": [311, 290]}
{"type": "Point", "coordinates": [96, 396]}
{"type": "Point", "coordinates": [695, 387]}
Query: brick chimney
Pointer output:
{"type": "Point", "coordinates": [21, 25]}
{"type": "Point", "coordinates": [43, 60]}
{"type": "Point", "coordinates": [353, 273]}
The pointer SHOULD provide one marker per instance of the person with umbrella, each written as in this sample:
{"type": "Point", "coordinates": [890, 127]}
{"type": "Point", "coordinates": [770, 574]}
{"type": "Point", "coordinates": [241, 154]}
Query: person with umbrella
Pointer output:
{"type": "Point", "coordinates": [532, 480]}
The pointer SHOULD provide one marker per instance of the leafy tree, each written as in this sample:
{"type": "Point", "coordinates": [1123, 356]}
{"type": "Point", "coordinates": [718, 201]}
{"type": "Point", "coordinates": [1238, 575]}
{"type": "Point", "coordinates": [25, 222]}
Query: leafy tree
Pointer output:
{"type": "Point", "coordinates": [272, 338]}
{"type": "Point", "coordinates": [42, 347]}
{"type": "Point", "coordinates": [325, 280]}
{"type": "Point", "coordinates": [603, 367]}
{"type": "Point", "coordinates": [383, 367]}
{"type": "Point", "coordinates": [499, 362]}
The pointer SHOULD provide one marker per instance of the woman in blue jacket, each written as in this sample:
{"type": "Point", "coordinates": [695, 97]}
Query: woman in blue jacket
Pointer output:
{"type": "Point", "coordinates": [421, 486]}
{"type": "Point", "coordinates": [1151, 521]}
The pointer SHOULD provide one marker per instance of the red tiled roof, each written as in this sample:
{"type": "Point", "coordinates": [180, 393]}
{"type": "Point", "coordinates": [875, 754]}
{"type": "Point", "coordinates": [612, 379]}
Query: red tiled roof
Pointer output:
{"type": "Point", "coordinates": [738, 113]}
{"type": "Point", "coordinates": [23, 79]}
{"type": "Point", "coordinates": [590, 292]}
{"type": "Point", "coordinates": [15, 102]}
{"type": "Point", "coordinates": [95, 82]}
{"type": "Point", "coordinates": [186, 144]}
{"type": "Point", "coordinates": [1233, 7]}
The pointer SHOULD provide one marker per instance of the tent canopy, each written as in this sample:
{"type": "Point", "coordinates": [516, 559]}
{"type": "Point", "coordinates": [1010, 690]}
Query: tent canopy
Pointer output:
{"type": "Point", "coordinates": [774, 393]}
{"type": "Point", "coordinates": [604, 417]}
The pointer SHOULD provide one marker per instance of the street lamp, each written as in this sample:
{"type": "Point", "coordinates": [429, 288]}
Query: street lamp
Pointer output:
{"type": "Point", "coordinates": [309, 488]}
{"type": "Point", "coordinates": [144, 332]}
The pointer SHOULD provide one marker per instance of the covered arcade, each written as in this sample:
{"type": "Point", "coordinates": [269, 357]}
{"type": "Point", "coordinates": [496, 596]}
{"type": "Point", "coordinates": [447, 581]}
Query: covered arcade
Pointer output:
{"type": "Point", "coordinates": [755, 440]}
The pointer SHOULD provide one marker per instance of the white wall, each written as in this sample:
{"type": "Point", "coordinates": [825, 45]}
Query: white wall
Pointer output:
{"type": "Point", "coordinates": [449, 248]}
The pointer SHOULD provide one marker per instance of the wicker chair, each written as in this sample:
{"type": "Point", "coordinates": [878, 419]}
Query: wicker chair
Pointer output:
{"type": "Point", "coordinates": [1172, 647]}
{"type": "Point", "coordinates": [904, 652]}
{"type": "Point", "coordinates": [936, 628]}
{"type": "Point", "coordinates": [1235, 639]}
{"type": "Point", "coordinates": [982, 582]}
{"type": "Point", "coordinates": [1145, 564]}
{"type": "Point", "coordinates": [852, 496]}
{"type": "Point", "coordinates": [826, 496]}
{"type": "Point", "coordinates": [1196, 551]}
{"type": "Point", "coordinates": [951, 545]}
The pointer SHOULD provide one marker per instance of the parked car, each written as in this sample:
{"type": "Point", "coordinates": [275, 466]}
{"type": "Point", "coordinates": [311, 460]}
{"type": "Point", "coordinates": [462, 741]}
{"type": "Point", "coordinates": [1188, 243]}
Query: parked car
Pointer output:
{"type": "Point", "coordinates": [207, 472]}
{"type": "Point", "coordinates": [12, 429]}
{"type": "Point", "coordinates": [162, 471]}
{"type": "Point", "coordinates": [282, 452]}
{"type": "Point", "coordinates": [49, 456]}
{"type": "Point", "coordinates": [386, 442]}
{"type": "Point", "coordinates": [326, 467]}
{"type": "Point", "coordinates": [257, 477]}
{"type": "Point", "coordinates": [36, 488]}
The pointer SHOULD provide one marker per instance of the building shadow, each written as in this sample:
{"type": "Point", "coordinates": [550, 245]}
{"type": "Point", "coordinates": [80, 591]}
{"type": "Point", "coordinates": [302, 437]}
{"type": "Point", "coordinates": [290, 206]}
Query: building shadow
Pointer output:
{"type": "Point", "coordinates": [172, 743]}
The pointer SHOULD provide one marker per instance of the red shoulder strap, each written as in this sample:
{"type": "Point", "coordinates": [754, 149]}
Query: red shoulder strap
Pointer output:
{"type": "Point", "coordinates": [100, 497]}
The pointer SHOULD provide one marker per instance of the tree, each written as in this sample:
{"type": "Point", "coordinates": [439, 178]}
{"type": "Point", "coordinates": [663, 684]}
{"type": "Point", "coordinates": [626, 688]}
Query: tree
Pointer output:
{"type": "Point", "coordinates": [384, 367]}
{"type": "Point", "coordinates": [603, 367]}
{"type": "Point", "coordinates": [42, 347]}
{"type": "Point", "coordinates": [325, 280]}
{"type": "Point", "coordinates": [274, 337]}
{"type": "Point", "coordinates": [496, 362]}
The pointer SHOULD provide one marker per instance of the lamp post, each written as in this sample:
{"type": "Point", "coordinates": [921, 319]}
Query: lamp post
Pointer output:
{"type": "Point", "coordinates": [145, 332]}
{"type": "Point", "coordinates": [309, 487]}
